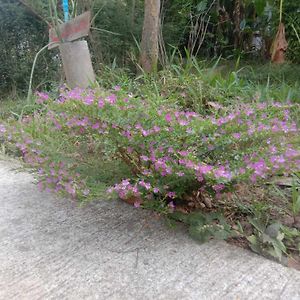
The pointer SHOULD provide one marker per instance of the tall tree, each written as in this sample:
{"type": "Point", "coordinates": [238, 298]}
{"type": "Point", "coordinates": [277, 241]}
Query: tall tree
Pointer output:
{"type": "Point", "coordinates": [149, 46]}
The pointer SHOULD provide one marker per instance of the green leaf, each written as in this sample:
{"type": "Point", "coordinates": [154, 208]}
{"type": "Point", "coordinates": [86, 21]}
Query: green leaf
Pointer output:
{"type": "Point", "coordinates": [296, 206]}
{"type": "Point", "coordinates": [254, 245]}
{"type": "Point", "coordinates": [273, 230]}
{"type": "Point", "coordinates": [260, 6]}
{"type": "Point", "coordinates": [257, 224]}
{"type": "Point", "coordinates": [200, 233]}
{"type": "Point", "coordinates": [221, 234]}
{"type": "Point", "coordinates": [202, 5]}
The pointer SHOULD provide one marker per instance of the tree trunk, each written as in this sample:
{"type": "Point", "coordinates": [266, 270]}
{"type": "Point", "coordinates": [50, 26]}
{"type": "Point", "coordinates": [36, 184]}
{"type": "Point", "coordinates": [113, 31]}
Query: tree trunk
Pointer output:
{"type": "Point", "coordinates": [149, 46]}
{"type": "Point", "coordinates": [237, 22]}
{"type": "Point", "coordinates": [133, 4]}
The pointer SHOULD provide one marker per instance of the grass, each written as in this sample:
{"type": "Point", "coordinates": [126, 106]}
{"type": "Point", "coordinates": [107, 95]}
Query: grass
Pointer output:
{"type": "Point", "coordinates": [202, 82]}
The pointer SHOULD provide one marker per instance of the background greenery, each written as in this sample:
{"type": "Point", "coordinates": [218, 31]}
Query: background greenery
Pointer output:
{"type": "Point", "coordinates": [116, 33]}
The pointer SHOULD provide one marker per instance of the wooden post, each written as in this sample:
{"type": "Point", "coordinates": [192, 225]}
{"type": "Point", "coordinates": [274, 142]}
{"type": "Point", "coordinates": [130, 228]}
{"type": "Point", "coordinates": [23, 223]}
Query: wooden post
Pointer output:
{"type": "Point", "coordinates": [77, 64]}
{"type": "Point", "coordinates": [75, 55]}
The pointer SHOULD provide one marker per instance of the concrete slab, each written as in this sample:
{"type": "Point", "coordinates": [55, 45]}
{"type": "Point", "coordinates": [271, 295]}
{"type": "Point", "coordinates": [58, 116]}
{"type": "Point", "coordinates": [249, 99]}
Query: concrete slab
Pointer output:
{"type": "Point", "coordinates": [51, 248]}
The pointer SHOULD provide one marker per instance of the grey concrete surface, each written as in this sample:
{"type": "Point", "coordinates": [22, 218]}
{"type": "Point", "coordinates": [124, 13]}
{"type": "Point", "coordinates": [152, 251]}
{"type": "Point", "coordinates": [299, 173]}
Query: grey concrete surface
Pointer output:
{"type": "Point", "coordinates": [51, 248]}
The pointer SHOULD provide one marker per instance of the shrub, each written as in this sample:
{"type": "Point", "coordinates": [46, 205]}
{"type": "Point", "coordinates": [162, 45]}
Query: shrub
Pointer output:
{"type": "Point", "coordinates": [172, 155]}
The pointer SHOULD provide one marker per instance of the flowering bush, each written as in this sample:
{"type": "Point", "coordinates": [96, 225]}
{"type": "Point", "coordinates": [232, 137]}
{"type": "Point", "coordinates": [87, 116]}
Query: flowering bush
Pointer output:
{"type": "Point", "coordinates": [173, 155]}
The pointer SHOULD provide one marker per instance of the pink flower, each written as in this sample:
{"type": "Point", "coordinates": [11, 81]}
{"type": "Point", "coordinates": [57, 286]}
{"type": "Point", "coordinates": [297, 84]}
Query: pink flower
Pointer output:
{"type": "Point", "coordinates": [259, 167]}
{"type": "Point", "coordinates": [88, 100]}
{"type": "Point", "coordinates": [168, 118]}
{"type": "Point", "coordinates": [112, 99]}
{"type": "Point", "coordinates": [40, 186]}
{"type": "Point", "coordinates": [137, 204]}
{"type": "Point", "coordinates": [221, 172]}
{"type": "Point", "coordinates": [171, 206]}
{"type": "Point", "coordinates": [170, 150]}
{"type": "Point", "coordinates": [183, 153]}
{"type": "Point", "coordinates": [242, 171]}
{"type": "Point", "coordinates": [144, 184]}
{"type": "Point", "coordinates": [236, 135]}
{"type": "Point", "coordinates": [291, 153]}
{"type": "Point", "coordinates": [117, 88]}
{"type": "Point", "coordinates": [156, 129]}
{"type": "Point", "coordinates": [101, 103]}
{"type": "Point", "coordinates": [204, 169]}
{"type": "Point", "coordinates": [144, 158]}
{"type": "Point", "coordinates": [110, 190]}
{"type": "Point", "coordinates": [171, 195]}
{"type": "Point", "coordinates": [180, 174]}
{"type": "Point", "coordinates": [2, 128]}
{"type": "Point", "coordinates": [145, 132]}
{"type": "Point", "coordinates": [218, 187]}
{"type": "Point", "coordinates": [96, 126]}
{"type": "Point", "coordinates": [183, 122]}
{"type": "Point", "coordinates": [129, 149]}
{"type": "Point", "coordinates": [156, 190]}
{"type": "Point", "coordinates": [42, 97]}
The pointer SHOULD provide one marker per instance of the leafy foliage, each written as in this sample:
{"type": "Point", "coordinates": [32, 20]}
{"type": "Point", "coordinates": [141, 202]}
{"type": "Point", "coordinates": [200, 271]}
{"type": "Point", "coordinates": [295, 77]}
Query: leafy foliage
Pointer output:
{"type": "Point", "coordinates": [21, 37]}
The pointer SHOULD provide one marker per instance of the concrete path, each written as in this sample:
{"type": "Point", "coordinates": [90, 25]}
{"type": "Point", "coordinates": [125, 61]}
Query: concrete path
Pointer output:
{"type": "Point", "coordinates": [52, 249]}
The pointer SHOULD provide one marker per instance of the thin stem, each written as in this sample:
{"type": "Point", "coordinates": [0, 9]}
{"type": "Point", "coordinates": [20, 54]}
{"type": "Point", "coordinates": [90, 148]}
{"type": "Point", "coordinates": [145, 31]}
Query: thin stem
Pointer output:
{"type": "Point", "coordinates": [32, 71]}
{"type": "Point", "coordinates": [281, 8]}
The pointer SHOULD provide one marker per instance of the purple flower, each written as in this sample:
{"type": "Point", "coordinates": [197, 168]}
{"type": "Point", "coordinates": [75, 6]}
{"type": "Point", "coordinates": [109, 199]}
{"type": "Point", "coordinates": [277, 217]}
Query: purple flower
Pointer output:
{"type": "Point", "coordinates": [183, 122]}
{"type": "Point", "coordinates": [183, 153]}
{"type": "Point", "coordinates": [101, 103]}
{"type": "Point", "coordinates": [88, 100]}
{"type": "Point", "coordinates": [171, 195]}
{"type": "Point", "coordinates": [137, 204]}
{"type": "Point", "coordinates": [170, 150]}
{"type": "Point", "coordinates": [180, 174]}
{"type": "Point", "coordinates": [204, 169]}
{"type": "Point", "coordinates": [259, 167]}
{"type": "Point", "coordinates": [291, 153]}
{"type": "Point", "coordinates": [69, 189]}
{"type": "Point", "coordinates": [221, 172]}
{"type": "Point", "coordinates": [144, 158]}
{"type": "Point", "coordinates": [168, 118]}
{"type": "Point", "coordinates": [156, 129]}
{"type": "Point", "coordinates": [96, 126]}
{"type": "Point", "coordinates": [242, 171]}
{"type": "Point", "coordinates": [42, 97]}
{"type": "Point", "coordinates": [156, 190]}
{"type": "Point", "coordinates": [112, 99]}
{"type": "Point", "coordinates": [110, 190]}
{"type": "Point", "coordinates": [129, 149]}
{"type": "Point", "coordinates": [144, 184]}
{"type": "Point", "coordinates": [236, 135]}
{"type": "Point", "coordinates": [145, 132]}
{"type": "Point", "coordinates": [40, 186]}
{"type": "Point", "coordinates": [218, 187]}
{"type": "Point", "coordinates": [2, 128]}
{"type": "Point", "coordinates": [171, 206]}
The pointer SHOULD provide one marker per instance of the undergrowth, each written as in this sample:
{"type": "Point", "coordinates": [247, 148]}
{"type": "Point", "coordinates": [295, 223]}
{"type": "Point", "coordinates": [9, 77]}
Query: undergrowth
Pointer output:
{"type": "Point", "coordinates": [217, 151]}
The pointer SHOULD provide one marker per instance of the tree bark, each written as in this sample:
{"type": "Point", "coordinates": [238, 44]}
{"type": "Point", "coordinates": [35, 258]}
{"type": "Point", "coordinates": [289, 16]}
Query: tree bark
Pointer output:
{"type": "Point", "coordinates": [149, 46]}
{"type": "Point", "coordinates": [237, 22]}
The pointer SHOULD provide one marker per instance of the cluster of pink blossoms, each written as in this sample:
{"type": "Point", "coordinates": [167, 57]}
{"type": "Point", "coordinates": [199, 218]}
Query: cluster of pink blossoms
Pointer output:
{"type": "Point", "coordinates": [168, 147]}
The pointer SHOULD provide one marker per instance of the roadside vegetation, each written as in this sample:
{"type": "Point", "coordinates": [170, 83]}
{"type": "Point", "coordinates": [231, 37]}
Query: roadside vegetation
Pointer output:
{"type": "Point", "coordinates": [218, 150]}
{"type": "Point", "coordinates": [208, 135]}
